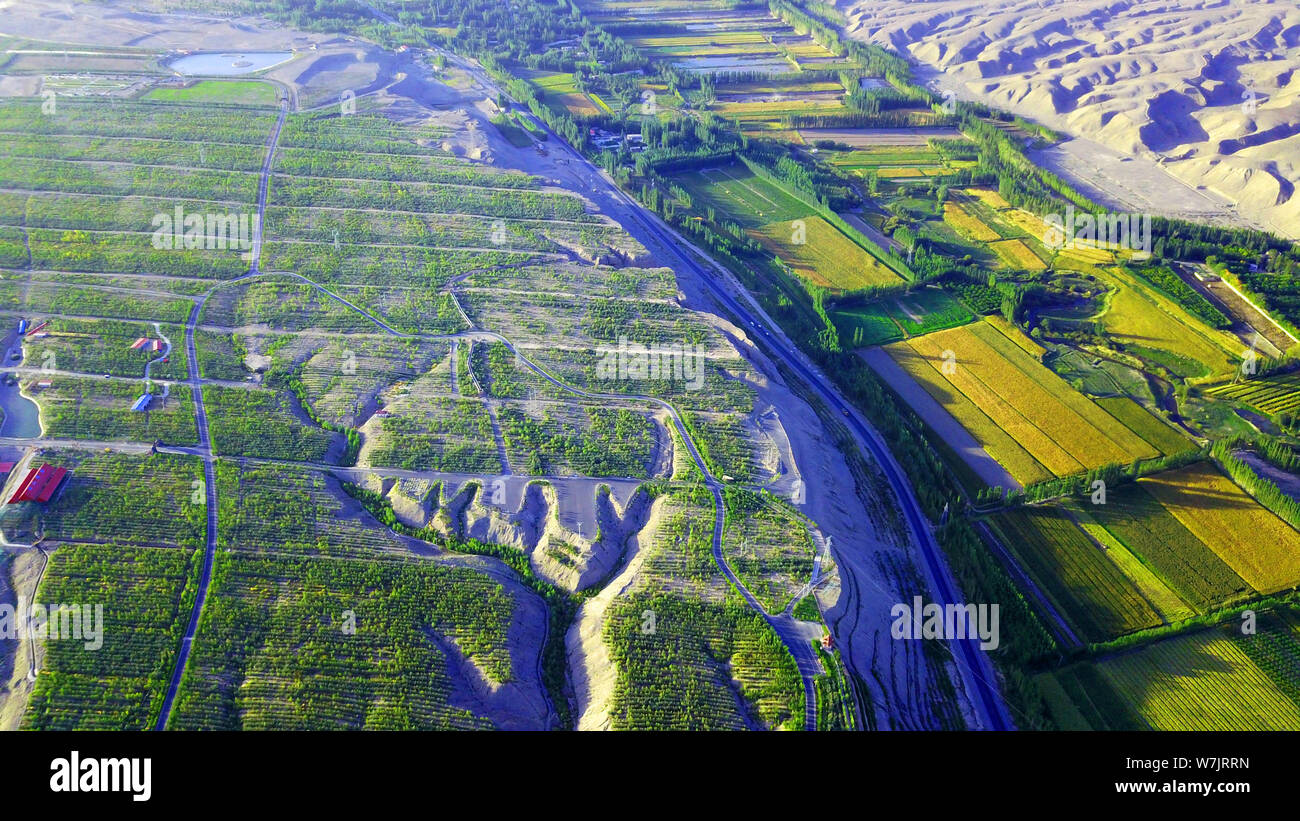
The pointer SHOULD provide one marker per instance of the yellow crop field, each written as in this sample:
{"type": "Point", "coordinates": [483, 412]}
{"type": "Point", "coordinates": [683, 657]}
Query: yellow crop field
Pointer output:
{"type": "Point", "coordinates": [1017, 255]}
{"type": "Point", "coordinates": [826, 257]}
{"type": "Point", "coordinates": [1200, 682]}
{"type": "Point", "coordinates": [1260, 547]}
{"type": "Point", "coordinates": [1013, 333]}
{"type": "Point", "coordinates": [775, 108]}
{"type": "Point", "coordinates": [1031, 224]}
{"type": "Point", "coordinates": [1078, 258]}
{"type": "Point", "coordinates": [999, 444]}
{"type": "Point", "coordinates": [719, 38]}
{"type": "Point", "coordinates": [964, 222]}
{"type": "Point", "coordinates": [899, 173]}
{"type": "Point", "coordinates": [771, 130]}
{"type": "Point", "coordinates": [989, 197]}
{"type": "Point", "coordinates": [811, 49]}
{"type": "Point", "coordinates": [1060, 428]}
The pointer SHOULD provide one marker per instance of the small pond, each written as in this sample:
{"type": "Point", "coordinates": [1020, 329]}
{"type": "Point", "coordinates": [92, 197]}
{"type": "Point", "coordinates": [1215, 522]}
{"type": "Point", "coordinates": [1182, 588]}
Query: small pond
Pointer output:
{"type": "Point", "coordinates": [228, 63]}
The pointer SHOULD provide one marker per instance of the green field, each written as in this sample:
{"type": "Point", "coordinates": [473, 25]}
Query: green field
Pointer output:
{"type": "Point", "coordinates": [1075, 573]}
{"type": "Point", "coordinates": [1184, 562]}
{"type": "Point", "coordinates": [145, 595]}
{"type": "Point", "coordinates": [1156, 432]}
{"type": "Point", "coordinates": [1213, 679]}
{"type": "Point", "coordinates": [816, 251]}
{"type": "Point", "coordinates": [1270, 394]}
{"type": "Point", "coordinates": [736, 193]}
{"type": "Point", "coordinates": [239, 92]}
{"type": "Point", "coordinates": [273, 651]}
{"type": "Point", "coordinates": [888, 320]}
{"type": "Point", "coordinates": [512, 131]}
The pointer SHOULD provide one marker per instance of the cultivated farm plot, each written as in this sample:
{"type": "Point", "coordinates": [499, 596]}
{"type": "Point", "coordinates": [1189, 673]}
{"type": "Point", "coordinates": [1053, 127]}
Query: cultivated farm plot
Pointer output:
{"type": "Point", "coordinates": [588, 324]}
{"type": "Point", "coordinates": [265, 424]}
{"type": "Point", "coordinates": [97, 347]}
{"type": "Point", "coordinates": [769, 549]}
{"type": "Point", "coordinates": [1158, 434]}
{"type": "Point", "coordinates": [1088, 588]}
{"type": "Point", "coordinates": [396, 265]}
{"type": "Point", "coordinates": [558, 89]}
{"type": "Point", "coordinates": [110, 303]}
{"type": "Point", "coordinates": [435, 433]}
{"type": "Point", "coordinates": [968, 224]}
{"type": "Point", "coordinates": [823, 256]}
{"type": "Point", "coordinates": [578, 440]}
{"type": "Point", "coordinates": [870, 138]}
{"type": "Point", "coordinates": [736, 192]}
{"type": "Point", "coordinates": [342, 379]}
{"type": "Point", "coordinates": [149, 500]}
{"type": "Point", "coordinates": [706, 644]}
{"type": "Point", "coordinates": [886, 320]}
{"type": "Point", "coordinates": [658, 284]}
{"type": "Point", "coordinates": [1153, 326]}
{"type": "Point", "coordinates": [273, 652]}
{"type": "Point", "coordinates": [1259, 546]}
{"type": "Point", "coordinates": [145, 595]}
{"type": "Point", "coordinates": [1137, 520]}
{"type": "Point", "coordinates": [1210, 681]}
{"type": "Point", "coordinates": [295, 511]}
{"type": "Point", "coordinates": [222, 92]}
{"type": "Point", "coordinates": [989, 197]}
{"type": "Point", "coordinates": [1028, 419]}
{"type": "Point", "coordinates": [221, 355]}
{"type": "Point", "coordinates": [1016, 255]}
{"type": "Point", "coordinates": [283, 305]}
{"type": "Point", "coordinates": [1273, 394]}
{"type": "Point", "coordinates": [100, 409]}
{"type": "Point", "coordinates": [728, 446]}
{"type": "Point", "coordinates": [501, 376]}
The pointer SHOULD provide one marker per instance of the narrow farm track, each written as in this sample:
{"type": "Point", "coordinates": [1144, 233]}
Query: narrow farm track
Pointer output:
{"type": "Point", "coordinates": [205, 440]}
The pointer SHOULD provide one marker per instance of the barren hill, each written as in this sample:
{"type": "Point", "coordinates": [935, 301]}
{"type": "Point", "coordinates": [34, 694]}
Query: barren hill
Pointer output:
{"type": "Point", "coordinates": [1207, 89]}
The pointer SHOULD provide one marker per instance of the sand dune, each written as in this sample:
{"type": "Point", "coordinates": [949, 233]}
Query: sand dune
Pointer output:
{"type": "Point", "coordinates": [1210, 90]}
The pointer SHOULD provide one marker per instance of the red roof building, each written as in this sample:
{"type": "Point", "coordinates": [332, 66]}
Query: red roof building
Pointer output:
{"type": "Point", "coordinates": [39, 484]}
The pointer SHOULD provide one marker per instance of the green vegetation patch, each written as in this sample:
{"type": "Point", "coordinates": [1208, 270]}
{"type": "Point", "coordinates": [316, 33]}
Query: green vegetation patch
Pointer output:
{"type": "Point", "coordinates": [307, 644]}
{"type": "Point", "coordinates": [145, 596]}
{"type": "Point", "coordinates": [231, 92]}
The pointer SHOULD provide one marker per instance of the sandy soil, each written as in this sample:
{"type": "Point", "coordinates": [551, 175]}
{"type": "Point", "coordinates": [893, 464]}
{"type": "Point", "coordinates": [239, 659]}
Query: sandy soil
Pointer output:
{"type": "Point", "coordinates": [592, 672]}
{"type": "Point", "coordinates": [19, 571]}
{"type": "Point", "coordinates": [94, 24]}
{"type": "Point", "coordinates": [1206, 91]}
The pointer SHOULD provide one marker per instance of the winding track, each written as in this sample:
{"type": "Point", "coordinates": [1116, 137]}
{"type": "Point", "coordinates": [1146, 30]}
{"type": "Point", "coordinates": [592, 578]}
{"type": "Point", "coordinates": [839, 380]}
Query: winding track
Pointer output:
{"type": "Point", "coordinates": [205, 441]}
